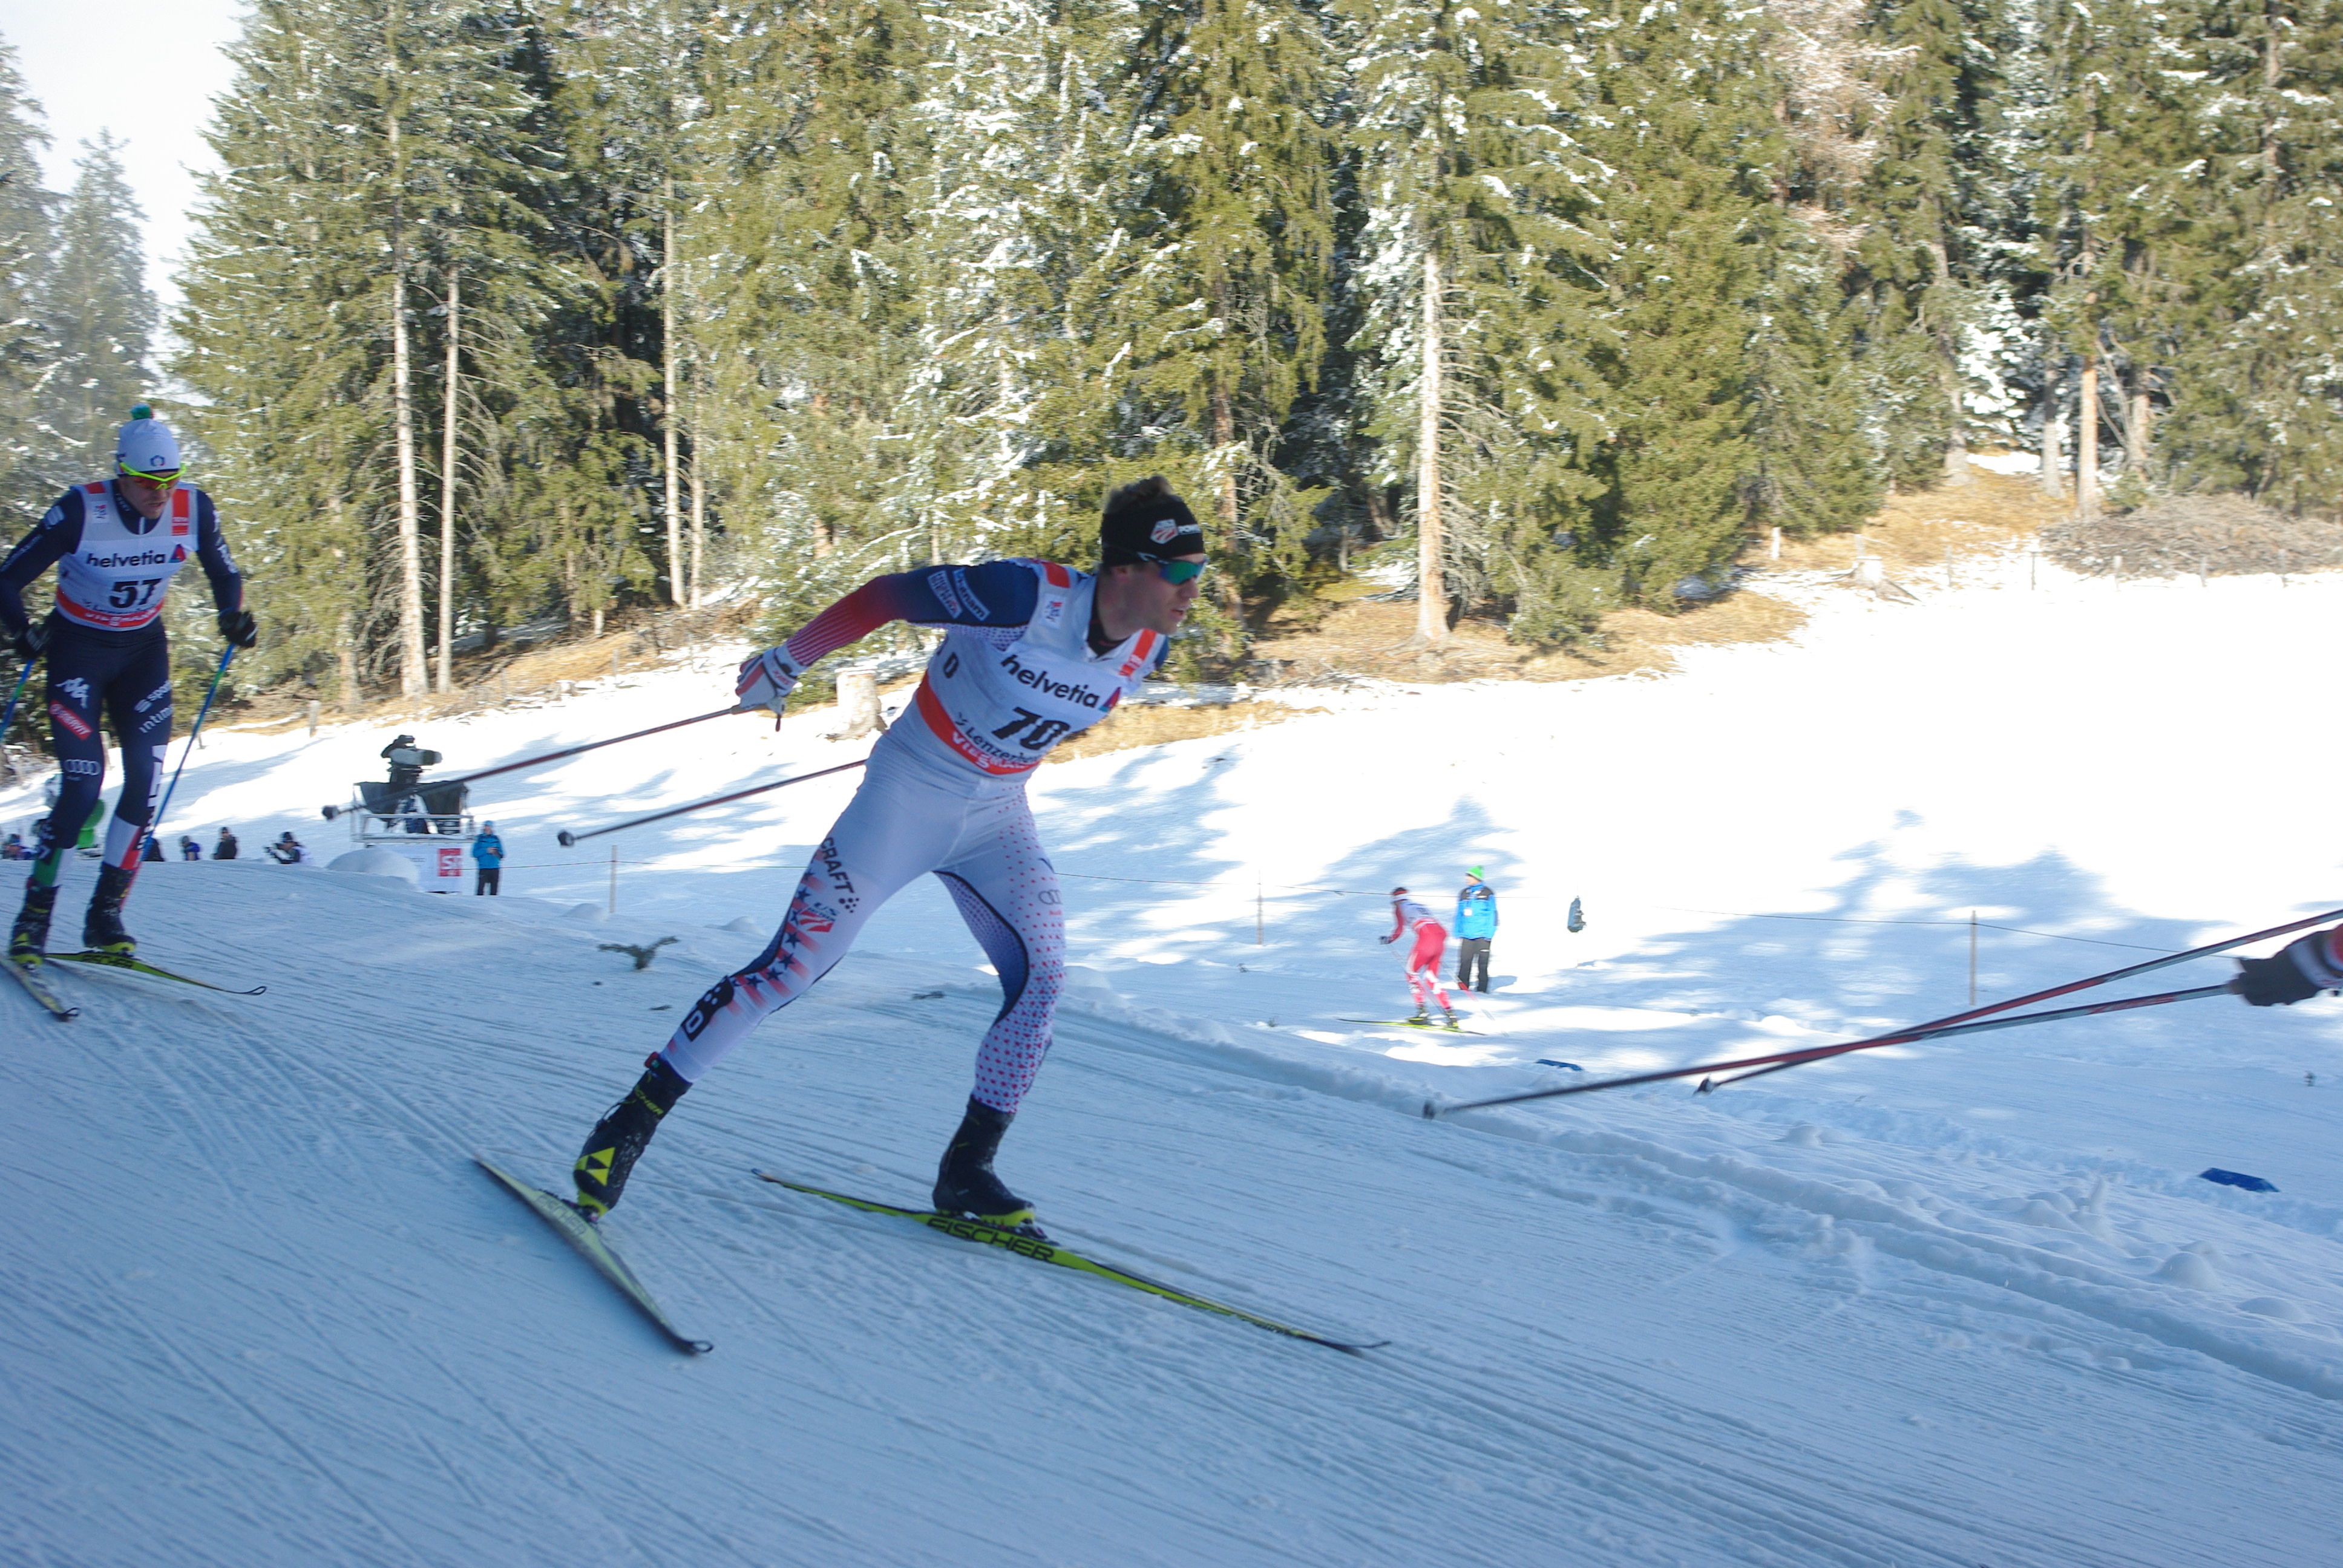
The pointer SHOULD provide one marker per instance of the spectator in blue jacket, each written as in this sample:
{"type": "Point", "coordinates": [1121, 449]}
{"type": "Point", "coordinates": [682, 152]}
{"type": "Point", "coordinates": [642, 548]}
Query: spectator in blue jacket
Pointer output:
{"type": "Point", "coordinates": [489, 854]}
{"type": "Point", "coordinates": [1476, 922]}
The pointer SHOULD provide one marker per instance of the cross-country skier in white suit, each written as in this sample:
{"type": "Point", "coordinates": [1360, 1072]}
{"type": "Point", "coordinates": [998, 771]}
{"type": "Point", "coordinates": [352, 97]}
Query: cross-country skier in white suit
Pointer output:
{"type": "Point", "coordinates": [1033, 652]}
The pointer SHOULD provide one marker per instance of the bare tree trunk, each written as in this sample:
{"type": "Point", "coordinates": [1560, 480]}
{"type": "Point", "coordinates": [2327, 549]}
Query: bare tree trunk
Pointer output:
{"type": "Point", "coordinates": [2087, 441]}
{"type": "Point", "coordinates": [345, 642]}
{"type": "Point", "coordinates": [2143, 429]}
{"type": "Point", "coordinates": [1224, 435]}
{"type": "Point", "coordinates": [2051, 477]}
{"type": "Point", "coordinates": [1949, 354]}
{"type": "Point", "coordinates": [1431, 597]}
{"type": "Point", "coordinates": [699, 507]}
{"type": "Point", "coordinates": [1956, 445]}
{"type": "Point", "coordinates": [413, 679]}
{"type": "Point", "coordinates": [448, 399]}
{"type": "Point", "coordinates": [1224, 425]}
{"type": "Point", "coordinates": [671, 404]}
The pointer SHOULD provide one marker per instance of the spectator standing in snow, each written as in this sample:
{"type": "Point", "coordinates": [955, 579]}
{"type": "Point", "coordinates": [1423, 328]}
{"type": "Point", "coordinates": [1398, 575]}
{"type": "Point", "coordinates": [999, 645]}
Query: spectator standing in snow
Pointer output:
{"type": "Point", "coordinates": [488, 855]}
{"type": "Point", "coordinates": [287, 849]}
{"type": "Point", "coordinates": [1426, 947]}
{"type": "Point", "coordinates": [14, 850]}
{"type": "Point", "coordinates": [227, 846]}
{"type": "Point", "coordinates": [188, 849]}
{"type": "Point", "coordinates": [1476, 922]}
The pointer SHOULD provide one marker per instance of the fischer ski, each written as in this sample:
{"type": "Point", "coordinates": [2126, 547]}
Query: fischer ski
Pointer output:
{"type": "Point", "coordinates": [1030, 1244]}
{"type": "Point", "coordinates": [140, 966]}
{"type": "Point", "coordinates": [38, 985]}
{"type": "Point", "coordinates": [1411, 1024]}
{"type": "Point", "coordinates": [581, 1233]}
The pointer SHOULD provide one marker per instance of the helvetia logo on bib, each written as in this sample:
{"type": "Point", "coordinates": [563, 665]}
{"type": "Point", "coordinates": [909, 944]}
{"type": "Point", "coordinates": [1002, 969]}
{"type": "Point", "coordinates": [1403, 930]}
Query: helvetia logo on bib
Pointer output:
{"type": "Point", "coordinates": [178, 555]}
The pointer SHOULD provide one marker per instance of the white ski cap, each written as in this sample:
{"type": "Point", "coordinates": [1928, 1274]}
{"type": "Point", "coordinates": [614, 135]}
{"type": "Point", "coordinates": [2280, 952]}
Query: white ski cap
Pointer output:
{"type": "Point", "coordinates": [145, 447]}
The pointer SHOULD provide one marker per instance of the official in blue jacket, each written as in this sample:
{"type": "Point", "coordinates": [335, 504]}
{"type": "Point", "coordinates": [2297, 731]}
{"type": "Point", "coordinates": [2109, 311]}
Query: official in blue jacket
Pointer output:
{"type": "Point", "coordinates": [1476, 922]}
{"type": "Point", "coordinates": [489, 854]}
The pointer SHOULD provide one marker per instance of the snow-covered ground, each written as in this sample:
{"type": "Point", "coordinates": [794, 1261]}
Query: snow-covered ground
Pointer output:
{"type": "Point", "coordinates": [1955, 1304]}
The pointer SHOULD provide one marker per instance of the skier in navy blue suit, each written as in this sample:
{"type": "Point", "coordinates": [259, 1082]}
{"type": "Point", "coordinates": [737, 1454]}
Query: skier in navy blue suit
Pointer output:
{"type": "Point", "coordinates": [117, 544]}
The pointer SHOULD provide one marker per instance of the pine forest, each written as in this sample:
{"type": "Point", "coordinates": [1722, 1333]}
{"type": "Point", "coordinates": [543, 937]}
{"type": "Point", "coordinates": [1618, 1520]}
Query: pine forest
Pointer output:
{"type": "Point", "coordinates": [571, 309]}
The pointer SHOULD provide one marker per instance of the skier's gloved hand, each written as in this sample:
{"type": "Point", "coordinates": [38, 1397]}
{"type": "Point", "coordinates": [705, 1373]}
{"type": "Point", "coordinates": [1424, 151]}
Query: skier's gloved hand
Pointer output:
{"type": "Point", "coordinates": [2296, 973]}
{"type": "Point", "coordinates": [239, 627]}
{"type": "Point", "coordinates": [29, 642]}
{"type": "Point", "coordinates": [766, 680]}
{"type": "Point", "coordinates": [1387, 941]}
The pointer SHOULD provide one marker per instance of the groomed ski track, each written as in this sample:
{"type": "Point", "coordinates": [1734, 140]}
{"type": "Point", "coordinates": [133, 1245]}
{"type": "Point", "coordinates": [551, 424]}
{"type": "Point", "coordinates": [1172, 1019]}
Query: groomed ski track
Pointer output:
{"type": "Point", "coordinates": [1965, 1305]}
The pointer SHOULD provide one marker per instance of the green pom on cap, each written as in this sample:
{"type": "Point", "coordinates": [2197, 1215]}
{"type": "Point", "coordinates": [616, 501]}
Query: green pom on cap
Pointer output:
{"type": "Point", "coordinates": [142, 412]}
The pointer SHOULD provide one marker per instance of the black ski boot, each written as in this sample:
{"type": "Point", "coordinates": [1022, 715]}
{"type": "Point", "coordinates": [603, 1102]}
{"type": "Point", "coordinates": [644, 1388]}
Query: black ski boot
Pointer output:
{"type": "Point", "coordinates": [101, 929]}
{"type": "Point", "coordinates": [965, 1183]}
{"type": "Point", "coordinates": [28, 939]}
{"type": "Point", "coordinates": [621, 1136]}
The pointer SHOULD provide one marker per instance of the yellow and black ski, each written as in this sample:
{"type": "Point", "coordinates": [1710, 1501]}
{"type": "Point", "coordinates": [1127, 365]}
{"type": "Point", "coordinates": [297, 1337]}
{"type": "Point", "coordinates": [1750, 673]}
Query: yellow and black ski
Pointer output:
{"type": "Point", "coordinates": [581, 1233]}
{"type": "Point", "coordinates": [1030, 1243]}
{"type": "Point", "coordinates": [155, 971]}
{"type": "Point", "coordinates": [37, 984]}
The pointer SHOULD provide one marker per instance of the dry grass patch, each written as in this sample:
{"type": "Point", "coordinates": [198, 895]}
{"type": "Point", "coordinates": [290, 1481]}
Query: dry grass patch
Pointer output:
{"type": "Point", "coordinates": [1913, 533]}
{"type": "Point", "coordinates": [1375, 639]}
{"type": "Point", "coordinates": [1150, 724]}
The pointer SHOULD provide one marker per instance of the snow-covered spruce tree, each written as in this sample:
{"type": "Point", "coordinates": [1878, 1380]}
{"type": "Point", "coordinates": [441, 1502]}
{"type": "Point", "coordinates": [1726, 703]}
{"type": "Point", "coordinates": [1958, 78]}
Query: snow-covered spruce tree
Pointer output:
{"type": "Point", "coordinates": [283, 353]}
{"type": "Point", "coordinates": [32, 464]}
{"type": "Point", "coordinates": [2252, 359]}
{"type": "Point", "coordinates": [1221, 274]}
{"type": "Point", "coordinates": [1934, 220]}
{"type": "Point", "coordinates": [1479, 292]}
{"type": "Point", "coordinates": [1729, 395]}
{"type": "Point", "coordinates": [2120, 203]}
{"type": "Point", "coordinates": [810, 329]}
{"type": "Point", "coordinates": [1810, 426]}
{"type": "Point", "coordinates": [510, 301]}
{"type": "Point", "coordinates": [97, 308]}
{"type": "Point", "coordinates": [633, 92]}
{"type": "Point", "coordinates": [359, 136]}
{"type": "Point", "coordinates": [1028, 198]}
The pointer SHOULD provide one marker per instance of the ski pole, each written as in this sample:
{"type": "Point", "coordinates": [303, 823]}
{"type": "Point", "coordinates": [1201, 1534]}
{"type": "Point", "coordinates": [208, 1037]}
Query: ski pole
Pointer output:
{"type": "Point", "coordinates": [138, 846]}
{"type": "Point", "coordinates": [330, 812]}
{"type": "Point", "coordinates": [1904, 1036]}
{"type": "Point", "coordinates": [9, 716]}
{"type": "Point", "coordinates": [569, 838]}
{"type": "Point", "coordinates": [2086, 1011]}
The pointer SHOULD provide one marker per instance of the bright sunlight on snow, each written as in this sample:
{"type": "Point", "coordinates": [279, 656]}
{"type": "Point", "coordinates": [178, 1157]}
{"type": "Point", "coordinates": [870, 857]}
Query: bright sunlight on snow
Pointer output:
{"type": "Point", "coordinates": [1957, 1303]}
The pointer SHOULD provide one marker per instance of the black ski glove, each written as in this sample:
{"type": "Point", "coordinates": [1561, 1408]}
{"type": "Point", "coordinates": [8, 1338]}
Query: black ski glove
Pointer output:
{"type": "Point", "coordinates": [239, 627]}
{"type": "Point", "coordinates": [29, 642]}
{"type": "Point", "coordinates": [2296, 973]}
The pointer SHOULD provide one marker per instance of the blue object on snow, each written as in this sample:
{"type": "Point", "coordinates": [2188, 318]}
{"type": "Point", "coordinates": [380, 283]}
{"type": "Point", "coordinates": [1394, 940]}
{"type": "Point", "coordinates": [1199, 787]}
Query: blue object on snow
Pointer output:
{"type": "Point", "coordinates": [2232, 1179]}
{"type": "Point", "coordinates": [1572, 1065]}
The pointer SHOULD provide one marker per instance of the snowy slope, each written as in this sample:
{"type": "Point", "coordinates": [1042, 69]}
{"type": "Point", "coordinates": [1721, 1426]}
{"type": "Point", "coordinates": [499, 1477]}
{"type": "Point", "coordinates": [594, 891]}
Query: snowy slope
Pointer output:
{"type": "Point", "coordinates": [1952, 1304]}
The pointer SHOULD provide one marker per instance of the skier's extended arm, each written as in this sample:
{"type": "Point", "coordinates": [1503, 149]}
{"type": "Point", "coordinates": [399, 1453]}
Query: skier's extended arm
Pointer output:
{"type": "Point", "coordinates": [56, 536]}
{"type": "Point", "coordinates": [2296, 973]}
{"type": "Point", "coordinates": [1399, 922]}
{"type": "Point", "coordinates": [236, 622]}
{"type": "Point", "coordinates": [996, 593]}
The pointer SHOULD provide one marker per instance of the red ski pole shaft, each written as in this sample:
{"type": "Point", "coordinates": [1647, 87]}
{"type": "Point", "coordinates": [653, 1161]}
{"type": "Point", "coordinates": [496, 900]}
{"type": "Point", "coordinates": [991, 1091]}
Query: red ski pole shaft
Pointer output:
{"type": "Point", "coordinates": [1903, 1035]}
{"type": "Point", "coordinates": [569, 838]}
{"type": "Point", "coordinates": [2086, 1011]}
{"type": "Point", "coordinates": [589, 746]}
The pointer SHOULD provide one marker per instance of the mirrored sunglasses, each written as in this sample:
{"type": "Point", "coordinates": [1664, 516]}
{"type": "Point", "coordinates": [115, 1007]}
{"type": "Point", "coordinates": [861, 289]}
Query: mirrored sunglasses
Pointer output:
{"type": "Point", "coordinates": [1177, 572]}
